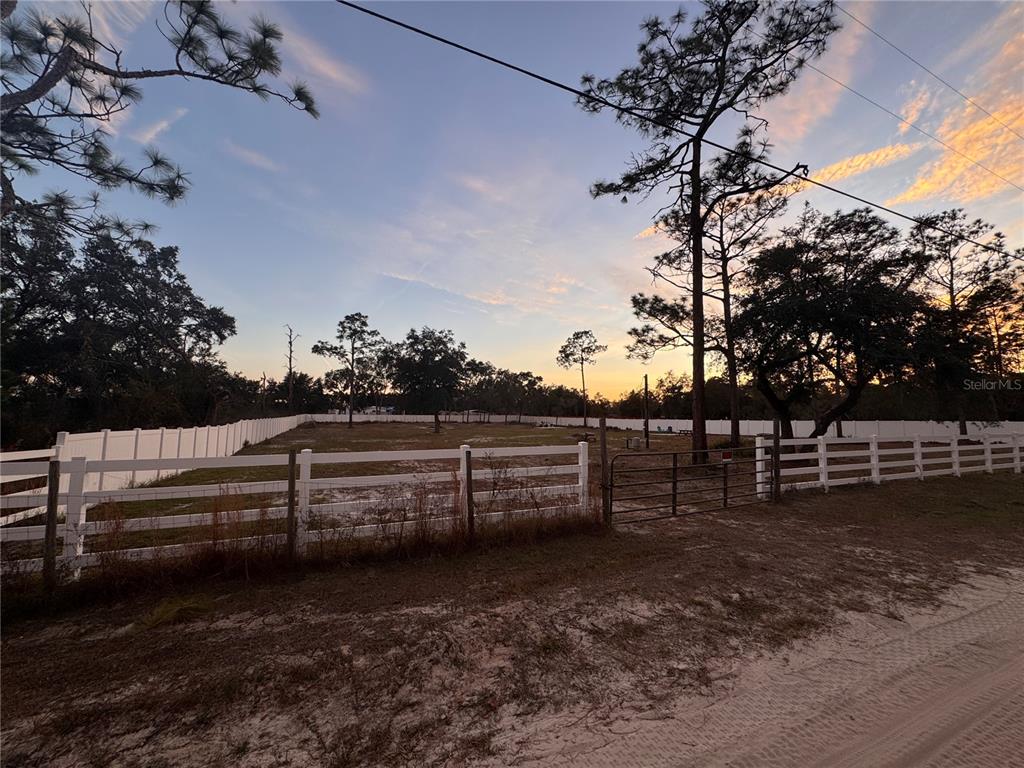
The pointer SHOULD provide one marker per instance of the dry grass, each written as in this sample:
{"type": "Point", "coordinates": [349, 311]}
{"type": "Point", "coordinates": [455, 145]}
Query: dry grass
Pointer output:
{"type": "Point", "coordinates": [325, 438]}
{"type": "Point", "coordinates": [445, 660]}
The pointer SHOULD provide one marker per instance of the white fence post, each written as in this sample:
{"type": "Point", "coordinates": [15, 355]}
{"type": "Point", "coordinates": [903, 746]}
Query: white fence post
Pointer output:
{"type": "Point", "coordinates": [103, 456]}
{"type": "Point", "coordinates": [74, 518]}
{"type": "Point", "coordinates": [876, 470]}
{"type": "Point", "coordinates": [1015, 441]}
{"type": "Point", "coordinates": [759, 473]}
{"type": "Point", "coordinates": [823, 462]}
{"type": "Point", "coordinates": [177, 452]}
{"type": "Point", "coordinates": [302, 487]}
{"type": "Point", "coordinates": [988, 453]}
{"type": "Point", "coordinates": [58, 445]}
{"type": "Point", "coordinates": [954, 450]}
{"type": "Point", "coordinates": [584, 477]}
{"type": "Point", "coordinates": [918, 458]}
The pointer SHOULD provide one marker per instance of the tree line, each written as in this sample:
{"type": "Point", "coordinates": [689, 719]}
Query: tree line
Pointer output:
{"type": "Point", "coordinates": [836, 316]}
{"type": "Point", "coordinates": [107, 333]}
{"type": "Point", "coordinates": [817, 314]}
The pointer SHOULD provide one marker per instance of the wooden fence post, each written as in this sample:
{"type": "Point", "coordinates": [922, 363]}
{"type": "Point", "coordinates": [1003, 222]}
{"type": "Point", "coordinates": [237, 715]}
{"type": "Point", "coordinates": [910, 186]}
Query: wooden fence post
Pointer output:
{"type": "Point", "coordinates": [74, 517]}
{"type": "Point", "coordinates": [584, 466]}
{"type": "Point", "coordinates": [302, 522]}
{"type": "Point", "coordinates": [777, 462]}
{"type": "Point", "coordinates": [606, 490]}
{"type": "Point", "coordinates": [876, 470]}
{"type": "Point", "coordinates": [50, 534]}
{"type": "Point", "coordinates": [467, 492]}
{"type": "Point", "coordinates": [1016, 441]}
{"type": "Point", "coordinates": [988, 453]}
{"type": "Point", "coordinates": [675, 483]}
{"type": "Point", "coordinates": [291, 506]}
{"type": "Point", "coordinates": [918, 458]}
{"type": "Point", "coordinates": [823, 462]}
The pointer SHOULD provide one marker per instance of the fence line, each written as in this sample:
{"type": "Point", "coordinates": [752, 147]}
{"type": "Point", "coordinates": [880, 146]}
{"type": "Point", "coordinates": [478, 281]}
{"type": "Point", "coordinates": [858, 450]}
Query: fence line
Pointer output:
{"type": "Point", "coordinates": [313, 519]}
{"type": "Point", "coordinates": [127, 446]}
{"type": "Point", "coordinates": [748, 427]}
{"type": "Point", "coordinates": [827, 462]}
{"type": "Point", "coordinates": [127, 452]}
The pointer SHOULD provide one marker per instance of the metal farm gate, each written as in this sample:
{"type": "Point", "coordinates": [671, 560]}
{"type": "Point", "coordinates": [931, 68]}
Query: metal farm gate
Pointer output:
{"type": "Point", "coordinates": [653, 485]}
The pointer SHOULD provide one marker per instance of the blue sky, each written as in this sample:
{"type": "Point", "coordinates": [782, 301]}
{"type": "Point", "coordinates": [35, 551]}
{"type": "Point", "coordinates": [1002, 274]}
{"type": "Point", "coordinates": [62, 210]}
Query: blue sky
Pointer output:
{"type": "Point", "coordinates": [439, 190]}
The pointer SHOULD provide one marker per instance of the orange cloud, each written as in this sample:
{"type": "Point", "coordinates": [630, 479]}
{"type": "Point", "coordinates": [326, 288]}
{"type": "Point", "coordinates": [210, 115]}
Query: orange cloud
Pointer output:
{"type": "Point", "coordinates": [652, 231]}
{"type": "Point", "coordinates": [914, 108]}
{"type": "Point", "coordinates": [858, 164]}
{"type": "Point", "coordinates": [866, 161]}
{"type": "Point", "coordinates": [975, 134]}
{"type": "Point", "coordinates": [814, 97]}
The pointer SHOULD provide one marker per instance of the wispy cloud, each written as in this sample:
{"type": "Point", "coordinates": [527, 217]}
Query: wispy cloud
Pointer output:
{"type": "Point", "coordinates": [974, 134]}
{"type": "Point", "coordinates": [321, 65]}
{"type": "Point", "coordinates": [148, 134]}
{"type": "Point", "coordinates": [915, 106]}
{"type": "Point", "coordinates": [252, 157]}
{"type": "Point", "coordinates": [814, 97]}
{"type": "Point", "coordinates": [860, 163]}
{"type": "Point", "coordinates": [115, 22]}
{"type": "Point", "coordinates": [481, 187]}
{"type": "Point", "coordinates": [652, 231]}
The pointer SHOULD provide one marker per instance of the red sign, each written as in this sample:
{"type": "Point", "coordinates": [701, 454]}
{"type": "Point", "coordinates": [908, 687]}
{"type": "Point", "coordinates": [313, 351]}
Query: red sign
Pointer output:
{"type": "Point", "coordinates": [726, 455]}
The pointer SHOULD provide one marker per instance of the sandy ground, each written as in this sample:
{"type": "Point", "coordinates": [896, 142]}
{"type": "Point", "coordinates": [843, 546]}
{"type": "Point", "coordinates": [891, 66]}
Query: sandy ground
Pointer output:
{"type": "Point", "coordinates": [870, 626]}
{"type": "Point", "coordinates": [937, 688]}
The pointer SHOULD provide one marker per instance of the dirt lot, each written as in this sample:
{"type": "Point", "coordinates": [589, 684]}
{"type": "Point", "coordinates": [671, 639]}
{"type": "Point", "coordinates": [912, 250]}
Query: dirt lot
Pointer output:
{"type": "Point", "coordinates": [545, 653]}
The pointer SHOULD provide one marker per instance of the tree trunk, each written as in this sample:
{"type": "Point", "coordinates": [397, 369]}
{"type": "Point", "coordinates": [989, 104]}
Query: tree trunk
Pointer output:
{"type": "Point", "coordinates": [700, 436]}
{"type": "Point", "coordinates": [730, 358]}
{"type": "Point", "coordinates": [838, 410]}
{"type": "Point", "coordinates": [780, 406]}
{"type": "Point", "coordinates": [351, 382]}
{"type": "Point", "coordinates": [583, 379]}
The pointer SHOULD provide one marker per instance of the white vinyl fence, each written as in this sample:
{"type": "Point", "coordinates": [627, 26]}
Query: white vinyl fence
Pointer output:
{"type": "Point", "coordinates": [179, 443]}
{"type": "Point", "coordinates": [827, 462]}
{"type": "Point", "coordinates": [394, 501]}
{"type": "Point", "coordinates": [748, 427]}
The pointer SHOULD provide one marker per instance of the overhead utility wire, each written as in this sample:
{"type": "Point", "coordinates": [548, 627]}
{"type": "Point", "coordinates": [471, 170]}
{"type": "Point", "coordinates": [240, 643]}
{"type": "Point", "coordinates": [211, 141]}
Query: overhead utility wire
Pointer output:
{"type": "Point", "coordinates": [955, 90]}
{"type": "Point", "coordinates": [906, 122]}
{"type": "Point", "coordinates": [633, 113]}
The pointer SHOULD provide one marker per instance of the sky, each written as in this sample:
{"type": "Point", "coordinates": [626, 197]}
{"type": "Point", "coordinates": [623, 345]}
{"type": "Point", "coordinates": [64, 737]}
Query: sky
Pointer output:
{"type": "Point", "coordinates": [439, 190]}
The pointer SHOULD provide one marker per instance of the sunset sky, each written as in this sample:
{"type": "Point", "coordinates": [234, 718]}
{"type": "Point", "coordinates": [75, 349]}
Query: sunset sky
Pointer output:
{"type": "Point", "coordinates": [440, 190]}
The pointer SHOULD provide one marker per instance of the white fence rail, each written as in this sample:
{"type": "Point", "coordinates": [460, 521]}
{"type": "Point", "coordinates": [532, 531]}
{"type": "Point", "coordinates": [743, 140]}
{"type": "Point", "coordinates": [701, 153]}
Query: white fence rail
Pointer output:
{"type": "Point", "coordinates": [399, 495]}
{"type": "Point", "coordinates": [827, 462]}
{"type": "Point", "coordinates": [180, 448]}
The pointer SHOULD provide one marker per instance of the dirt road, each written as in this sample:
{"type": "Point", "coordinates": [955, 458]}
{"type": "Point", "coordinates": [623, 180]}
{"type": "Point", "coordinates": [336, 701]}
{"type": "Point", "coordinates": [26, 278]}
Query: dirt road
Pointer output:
{"type": "Point", "coordinates": [944, 688]}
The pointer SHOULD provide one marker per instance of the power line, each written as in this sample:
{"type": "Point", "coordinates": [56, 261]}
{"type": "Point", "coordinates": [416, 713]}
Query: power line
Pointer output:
{"type": "Point", "coordinates": [955, 90]}
{"type": "Point", "coordinates": [906, 122]}
{"type": "Point", "coordinates": [633, 113]}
